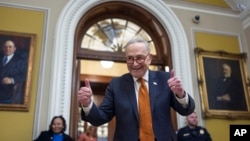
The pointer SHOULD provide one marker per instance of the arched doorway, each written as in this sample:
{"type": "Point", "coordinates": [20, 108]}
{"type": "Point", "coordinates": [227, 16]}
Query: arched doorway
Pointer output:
{"type": "Point", "coordinates": [96, 38]}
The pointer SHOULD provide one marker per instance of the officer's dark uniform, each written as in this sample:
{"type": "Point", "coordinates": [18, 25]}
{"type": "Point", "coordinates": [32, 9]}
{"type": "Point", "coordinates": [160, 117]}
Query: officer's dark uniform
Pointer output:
{"type": "Point", "coordinates": [196, 134]}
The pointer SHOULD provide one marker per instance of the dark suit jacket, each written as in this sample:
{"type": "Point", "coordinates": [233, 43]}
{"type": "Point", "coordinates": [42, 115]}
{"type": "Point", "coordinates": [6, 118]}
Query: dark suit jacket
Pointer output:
{"type": "Point", "coordinates": [120, 101]}
{"type": "Point", "coordinates": [16, 68]}
{"type": "Point", "coordinates": [48, 136]}
{"type": "Point", "coordinates": [234, 89]}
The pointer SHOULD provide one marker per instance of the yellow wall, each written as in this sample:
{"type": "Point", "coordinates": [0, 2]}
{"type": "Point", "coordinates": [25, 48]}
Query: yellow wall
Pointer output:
{"type": "Point", "coordinates": [220, 3]}
{"type": "Point", "coordinates": [219, 128]}
{"type": "Point", "coordinates": [18, 126]}
{"type": "Point", "coordinates": [216, 42]}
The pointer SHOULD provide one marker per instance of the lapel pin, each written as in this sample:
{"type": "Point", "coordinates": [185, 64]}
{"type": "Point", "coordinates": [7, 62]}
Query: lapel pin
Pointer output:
{"type": "Point", "coordinates": [154, 83]}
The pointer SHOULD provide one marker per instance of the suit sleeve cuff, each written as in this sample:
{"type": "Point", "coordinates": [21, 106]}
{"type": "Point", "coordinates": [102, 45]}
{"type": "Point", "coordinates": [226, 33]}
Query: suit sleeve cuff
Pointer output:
{"type": "Point", "coordinates": [87, 109]}
{"type": "Point", "coordinates": [183, 101]}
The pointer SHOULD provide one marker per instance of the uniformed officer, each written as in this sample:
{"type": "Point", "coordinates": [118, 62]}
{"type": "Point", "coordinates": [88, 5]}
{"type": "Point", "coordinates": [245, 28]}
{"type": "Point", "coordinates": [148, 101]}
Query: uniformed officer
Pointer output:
{"type": "Point", "coordinates": [193, 132]}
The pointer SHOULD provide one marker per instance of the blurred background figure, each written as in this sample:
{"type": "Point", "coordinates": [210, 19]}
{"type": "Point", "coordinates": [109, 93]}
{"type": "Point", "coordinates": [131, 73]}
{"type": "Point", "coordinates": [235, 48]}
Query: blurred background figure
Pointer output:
{"type": "Point", "coordinates": [89, 135]}
{"type": "Point", "coordinates": [56, 131]}
{"type": "Point", "coordinates": [193, 132]}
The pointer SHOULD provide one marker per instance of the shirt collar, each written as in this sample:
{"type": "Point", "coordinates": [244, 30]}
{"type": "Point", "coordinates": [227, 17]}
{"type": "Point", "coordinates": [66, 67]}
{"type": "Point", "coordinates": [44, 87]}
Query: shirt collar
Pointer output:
{"type": "Point", "coordinates": [9, 56]}
{"type": "Point", "coordinates": [145, 77]}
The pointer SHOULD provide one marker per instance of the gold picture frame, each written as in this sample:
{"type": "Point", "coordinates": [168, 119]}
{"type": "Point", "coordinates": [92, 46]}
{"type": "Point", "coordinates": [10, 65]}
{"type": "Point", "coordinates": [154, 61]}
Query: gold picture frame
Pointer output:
{"type": "Point", "coordinates": [15, 94]}
{"type": "Point", "coordinates": [226, 97]}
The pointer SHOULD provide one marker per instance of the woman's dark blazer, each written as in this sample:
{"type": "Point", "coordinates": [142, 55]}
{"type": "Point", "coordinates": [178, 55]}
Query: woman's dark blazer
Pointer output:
{"type": "Point", "coordinates": [48, 136]}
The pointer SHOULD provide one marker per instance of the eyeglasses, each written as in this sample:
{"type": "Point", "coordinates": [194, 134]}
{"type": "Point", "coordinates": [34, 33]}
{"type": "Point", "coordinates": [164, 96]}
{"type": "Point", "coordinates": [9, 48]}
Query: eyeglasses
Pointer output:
{"type": "Point", "coordinates": [139, 59]}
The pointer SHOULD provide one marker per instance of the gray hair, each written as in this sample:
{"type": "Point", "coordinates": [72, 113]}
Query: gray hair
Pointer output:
{"type": "Point", "coordinates": [138, 40]}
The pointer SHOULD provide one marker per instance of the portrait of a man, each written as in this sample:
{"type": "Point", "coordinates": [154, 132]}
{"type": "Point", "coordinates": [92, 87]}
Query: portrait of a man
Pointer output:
{"type": "Point", "coordinates": [13, 69]}
{"type": "Point", "coordinates": [225, 89]}
{"type": "Point", "coordinates": [16, 63]}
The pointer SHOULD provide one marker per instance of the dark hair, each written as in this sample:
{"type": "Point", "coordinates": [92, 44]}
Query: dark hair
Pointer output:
{"type": "Point", "coordinates": [63, 120]}
{"type": "Point", "coordinates": [8, 40]}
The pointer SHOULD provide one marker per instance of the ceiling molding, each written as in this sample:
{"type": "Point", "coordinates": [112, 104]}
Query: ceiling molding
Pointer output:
{"type": "Point", "coordinates": [246, 23]}
{"type": "Point", "coordinates": [238, 8]}
{"type": "Point", "coordinates": [191, 6]}
{"type": "Point", "coordinates": [238, 5]}
{"type": "Point", "coordinates": [243, 6]}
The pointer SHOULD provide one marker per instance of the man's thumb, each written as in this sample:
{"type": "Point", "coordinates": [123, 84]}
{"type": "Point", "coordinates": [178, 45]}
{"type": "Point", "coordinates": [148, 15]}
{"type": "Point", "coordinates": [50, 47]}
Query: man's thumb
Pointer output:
{"type": "Point", "coordinates": [87, 84]}
{"type": "Point", "coordinates": [172, 73]}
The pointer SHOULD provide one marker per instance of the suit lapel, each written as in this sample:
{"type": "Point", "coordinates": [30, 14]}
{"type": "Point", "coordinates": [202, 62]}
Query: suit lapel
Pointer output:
{"type": "Point", "coordinates": [153, 91]}
{"type": "Point", "coordinates": [131, 93]}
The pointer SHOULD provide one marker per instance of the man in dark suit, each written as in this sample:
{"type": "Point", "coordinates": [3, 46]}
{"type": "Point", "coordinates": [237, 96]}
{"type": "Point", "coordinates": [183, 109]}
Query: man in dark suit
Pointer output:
{"type": "Point", "coordinates": [121, 98]}
{"type": "Point", "coordinates": [12, 72]}
{"type": "Point", "coordinates": [229, 93]}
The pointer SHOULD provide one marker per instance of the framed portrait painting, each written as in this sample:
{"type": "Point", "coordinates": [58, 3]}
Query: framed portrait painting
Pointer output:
{"type": "Point", "coordinates": [223, 84]}
{"type": "Point", "coordinates": [16, 61]}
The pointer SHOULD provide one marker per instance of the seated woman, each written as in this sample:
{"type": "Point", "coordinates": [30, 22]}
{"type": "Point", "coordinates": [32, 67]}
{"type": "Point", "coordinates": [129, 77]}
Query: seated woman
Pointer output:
{"type": "Point", "coordinates": [56, 131]}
